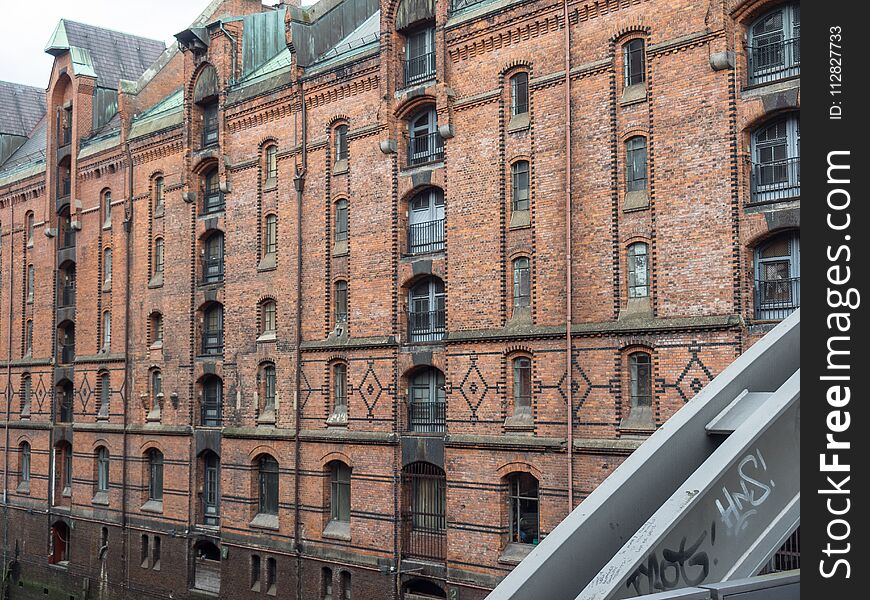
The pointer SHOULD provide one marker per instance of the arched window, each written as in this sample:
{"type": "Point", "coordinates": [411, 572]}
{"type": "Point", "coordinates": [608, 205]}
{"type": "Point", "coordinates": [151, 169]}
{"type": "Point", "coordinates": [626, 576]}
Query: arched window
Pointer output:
{"type": "Point", "coordinates": [341, 148]}
{"type": "Point", "coordinates": [211, 406]}
{"type": "Point", "coordinates": [102, 467]}
{"type": "Point", "coordinates": [64, 393]}
{"type": "Point", "coordinates": [63, 471]}
{"type": "Point", "coordinates": [424, 502]}
{"type": "Point", "coordinates": [426, 222]}
{"type": "Point", "coordinates": [633, 62]}
{"type": "Point", "coordinates": [270, 170]}
{"type": "Point", "coordinates": [339, 395]}
{"type": "Point", "coordinates": [776, 151]}
{"type": "Point", "coordinates": [635, 164]}
{"type": "Point", "coordinates": [211, 465]}
{"type": "Point", "coordinates": [519, 94]}
{"type": "Point", "coordinates": [522, 385]}
{"type": "Point", "coordinates": [424, 142]}
{"type": "Point", "coordinates": [107, 208]}
{"type": "Point", "coordinates": [67, 283]}
{"type": "Point", "coordinates": [107, 268]}
{"type": "Point", "coordinates": [341, 221]}
{"type": "Point", "coordinates": [213, 197]}
{"type": "Point", "coordinates": [268, 485]}
{"type": "Point", "coordinates": [255, 572]}
{"type": "Point", "coordinates": [155, 475]}
{"type": "Point", "coordinates": [524, 513]}
{"type": "Point", "coordinates": [28, 228]}
{"type": "Point", "coordinates": [775, 45]}
{"type": "Point", "coordinates": [520, 186]}
{"type": "Point", "coordinates": [156, 393]}
{"type": "Point", "coordinates": [522, 283]}
{"type": "Point", "coordinates": [420, 55]}
{"type": "Point", "coordinates": [26, 394]}
{"type": "Point", "coordinates": [24, 466]}
{"type": "Point", "coordinates": [270, 245]}
{"type": "Point", "coordinates": [345, 585]}
{"type": "Point", "coordinates": [67, 342]}
{"type": "Point", "coordinates": [31, 283]}
{"type": "Point", "coordinates": [159, 196]}
{"type": "Point", "coordinates": [340, 301]}
{"type": "Point", "coordinates": [158, 256]}
{"type": "Point", "coordinates": [339, 491]}
{"type": "Point", "coordinates": [268, 324]}
{"type": "Point", "coordinates": [213, 330]}
{"type": "Point", "coordinates": [640, 372]}
{"type": "Point", "coordinates": [326, 583]}
{"type": "Point", "coordinates": [426, 403]}
{"type": "Point", "coordinates": [426, 317]}
{"type": "Point", "coordinates": [638, 271]}
{"type": "Point", "coordinates": [268, 383]}
{"type": "Point", "coordinates": [66, 234]}
{"type": "Point", "coordinates": [213, 258]}
{"type": "Point", "coordinates": [271, 575]}
{"type": "Point", "coordinates": [156, 329]}
{"type": "Point", "coordinates": [777, 277]}
{"type": "Point", "coordinates": [107, 331]}
{"type": "Point", "coordinates": [28, 337]}
{"type": "Point", "coordinates": [105, 390]}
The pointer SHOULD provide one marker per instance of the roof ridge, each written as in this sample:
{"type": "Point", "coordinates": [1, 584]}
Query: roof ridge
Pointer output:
{"type": "Point", "coordinates": [118, 31]}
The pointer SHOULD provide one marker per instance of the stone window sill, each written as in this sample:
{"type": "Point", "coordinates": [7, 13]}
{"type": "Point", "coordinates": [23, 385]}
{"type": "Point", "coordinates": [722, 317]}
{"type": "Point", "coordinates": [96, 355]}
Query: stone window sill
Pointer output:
{"type": "Point", "coordinates": [337, 530]}
{"type": "Point", "coordinates": [267, 336]}
{"type": "Point", "coordinates": [519, 122]}
{"type": "Point", "coordinates": [267, 418]}
{"type": "Point", "coordinates": [101, 498]}
{"type": "Point", "coordinates": [102, 416]}
{"type": "Point", "coordinates": [156, 281]}
{"type": "Point", "coordinates": [267, 263]}
{"type": "Point", "coordinates": [107, 225]}
{"type": "Point", "coordinates": [340, 167]}
{"type": "Point", "coordinates": [264, 521]}
{"type": "Point", "coordinates": [270, 184]}
{"type": "Point", "coordinates": [521, 219]}
{"type": "Point", "coordinates": [519, 423]}
{"type": "Point", "coordinates": [337, 419]}
{"type": "Point", "coordinates": [29, 244]}
{"type": "Point", "coordinates": [340, 248]}
{"type": "Point", "coordinates": [158, 345]}
{"type": "Point", "coordinates": [23, 488]}
{"type": "Point", "coordinates": [514, 553]}
{"type": "Point", "coordinates": [107, 285]}
{"type": "Point", "coordinates": [635, 201]}
{"type": "Point", "coordinates": [153, 506]}
{"type": "Point", "coordinates": [159, 212]}
{"type": "Point", "coordinates": [633, 94]}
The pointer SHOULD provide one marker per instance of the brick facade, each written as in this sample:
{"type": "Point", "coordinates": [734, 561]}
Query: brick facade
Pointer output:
{"type": "Point", "coordinates": [703, 220]}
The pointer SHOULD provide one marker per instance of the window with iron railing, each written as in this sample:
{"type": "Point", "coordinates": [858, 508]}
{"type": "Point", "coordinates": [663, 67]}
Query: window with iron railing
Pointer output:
{"type": "Point", "coordinates": [776, 173]}
{"type": "Point", "coordinates": [427, 408]}
{"type": "Point", "coordinates": [426, 222]}
{"type": "Point", "coordinates": [213, 258]}
{"type": "Point", "coordinates": [777, 279]}
{"type": "Point", "coordinates": [213, 197]}
{"type": "Point", "coordinates": [424, 507]}
{"type": "Point", "coordinates": [64, 126]}
{"type": "Point", "coordinates": [774, 50]}
{"type": "Point", "coordinates": [425, 144]}
{"type": "Point", "coordinates": [420, 56]}
{"type": "Point", "coordinates": [67, 237]}
{"type": "Point", "coordinates": [213, 331]}
{"type": "Point", "coordinates": [426, 315]}
{"type": "Point", "coordinates": [63, 182]}
{"type": "Point", "coordinates": [212, 402]}
{"type": "Point", "coordinates": [65, 402]}
{"type": "Point", "coordinates": [210, 124]}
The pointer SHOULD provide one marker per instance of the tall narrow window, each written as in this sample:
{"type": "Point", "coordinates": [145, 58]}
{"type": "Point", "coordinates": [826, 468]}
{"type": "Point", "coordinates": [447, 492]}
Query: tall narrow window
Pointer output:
{"type": "Point", "coordinates": [213, 197]}
{"type": "Point", "coordinates": [24, 468]}
{"type": "Point", "coordinates": [28, 337]}
{"type": "Point", "coordinates": [269, 382]}
{"type": "Point", "coordinates": [107, 268]}
{"type": "Point", "coordinates": [107, 331]}
{"type": "Point", "coordinates": [271, 576]}
{"type": "Point", "coordinates": [522, 368]}
{"type": "Point", "coordinates": [255, 572]}
{"type": "Point", "coordinates": [341, 143]}
{"type": "Point", "coordinates": [65, 401]}
{"type": "Point", "coordinates": [155, 475]}
{"type": "Point", "coordinates": [524, 514]}
{"type": "Point", "coordinates": [271, 165]}
{"type": "Point", "coordinates": [340, 301]}
{"type": "Point", "coordinates": [341, 221]}
{"type": "Point", "coordinates": [635, 164]}
{"type": "Point", "coordinates": [268, 325]}
{"type": "Point", "coordinates": [640, 367]}
{"type": "Point", "coordinates": [638, 271]}
{"type": "Point", "coordinates": [28, 228]}
{"type": "Point", "coordinates": [271, 238]}
{"type": "Point", "coordinates": [63, 456]}
{"type": "Point", "coordinates": [210, 124]}
{"type": "Point", "coordinates": [519, 94]}
{"type": "Point", "coordinates": [633, 57]}
{"type": "Point", "coordinates": [26, 395]}
{"type": "Point", "coordinates": [339, 489]}
{"type": "Point", "coordinates": [105, 392]}
{"type": "Point", "coordinates": [212, 402]}
{"type": "Point", "coordinates": [775, 45]}
{"type": "Point", "coordinates": [30, 283]}
{"type": "Point", "coordinates": [420, 55]}
{"type": "Point", "coordinates": [102, 469]}
{"type": "Point", "coordinates": [326, 584]}
{"type": "Point", "coordinates": [268, 483]}
{"type": "Point", "coordinates": [107, 209]}
{"type": "Point", "coordinates": [156, 392]}
{"type": "Point", "coordinates": [144, 551]}
{"type": "Point", "coordinates": [213, 258]}
{"type": "Point", "coordinates": [520, 186]}
{"type": "Point", "coordinates": [155, 554]}
{"type": "Point", "coordinates": [213, 330]}
{"type": "Point", "coordinates": [522, 283]}
{"type": "Point", "coordinates": [339, 393]}
{"type": "Point", "coordinates": [159, 195]}
{"type": "Point", "coordinates": [158, 256]}
{"type": "Point", "coordinates": [345, 585]}
{"type": "Point", "coordinates": [156, 329]}
{"type": "Point", "coordinates": [211, 465]}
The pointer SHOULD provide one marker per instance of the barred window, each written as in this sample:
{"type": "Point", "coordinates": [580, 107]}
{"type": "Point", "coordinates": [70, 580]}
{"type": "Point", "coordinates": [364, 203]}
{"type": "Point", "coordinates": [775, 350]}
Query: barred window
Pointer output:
{"type": "Point", "coordinates": [640, 367]}
{"type": "Point", "coordinates": [520, 185]}
{"type": "Point", "coordinates": [522, 283]}
{"type": "Point", "coordinates": [638, 271]}
{"type": "Point", "coordinates": [635, 164]}
{"type": "Point", "coordinates": [271, 237]}
{"type": "Point", "coordinates": [519, 94]}
{"type": "Point", "coordinates": [633, 57]}
{"type": "Point", "coordinates": [341, 301]}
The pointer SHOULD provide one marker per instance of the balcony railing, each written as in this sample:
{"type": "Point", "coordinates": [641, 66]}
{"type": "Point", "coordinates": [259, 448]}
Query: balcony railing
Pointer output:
{"type": "Point", "coordinates": [65, 409]}
{"type": "Point", "coordinates": [774, 61]}
{"type": "Point", "coordinates": [67, 296]}
{"type": "Point", "coordinates": [67, 238]}
{"type": "Point", "coordinates": [63, 187]}
{"type": "Point", "coordinates": [212, 269]}
{"type": "Point", "coordinates": [426, 237]}
{"type": "Point", "coordinates": [67, 354]}
{"type": "Point", "coordinates": [427, 417]}
{"type": "Point", "coordinates": [776, 180]}
{"type": "Point", "coordinates": [425, 148]}
{"type": "Point", "coordinates": [426, 326]}
{"type": "Point", "coordinates": [214, 202]}
{"type": "Point", "coordinates": [419, 68]}
{"type": "Point", "coordinates": [213, 344]}
{"type": "Point", "coordinates": [211, 414]}
{"type": "Point", "coordinates": [777, 299]}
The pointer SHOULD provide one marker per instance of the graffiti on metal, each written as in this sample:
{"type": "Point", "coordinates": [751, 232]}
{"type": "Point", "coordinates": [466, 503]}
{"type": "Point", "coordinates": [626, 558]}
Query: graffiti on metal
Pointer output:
{"type": "Point", "coordinates": [743, 504]}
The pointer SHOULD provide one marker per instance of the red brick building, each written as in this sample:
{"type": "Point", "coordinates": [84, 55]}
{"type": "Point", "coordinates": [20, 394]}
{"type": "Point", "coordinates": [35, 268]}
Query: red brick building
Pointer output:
{"type": "Point", "coordinates": [357, 300]}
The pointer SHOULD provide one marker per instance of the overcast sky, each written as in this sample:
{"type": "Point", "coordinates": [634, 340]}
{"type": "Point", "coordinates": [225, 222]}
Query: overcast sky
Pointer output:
{"type": "Point", "coordinates": [27, 25]}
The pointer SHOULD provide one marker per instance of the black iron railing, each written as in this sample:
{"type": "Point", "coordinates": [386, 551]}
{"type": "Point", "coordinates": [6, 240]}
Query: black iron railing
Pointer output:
{"type": "Point", "coordinates": [776, 180]}
{"type": "Point", "coordinates": [424, 148]}
{"type": "Point", "coordinates": [214, 202]}
{"type": "Point", "coordinates": [427, 417]}
{"type": "Point", "coordinates": [65, 409]}
{"type": "Point", "coordinates": [788, 557]}
{"type": "Point", "coordinates": [424, 522]}
{"type": "Point", "coordinates": [212, 269]}
{"type": "Point", "coordinates": [419, 68]}
{"type": "Point", "coordinates": [211, 414]}
{"type": "Point", "coordinates": [775, 60]}
{"type": "Point", "coordinates": [67, 295]}
{"type": "Point", "coordinates": [67, 354]}
{"type": "Point", "coordinates": [426, 237]}
{"type": "Point", "coordinates": [426, 326]}
{"type": "Point", "coordinates": [777, 299]}
{"type": "Point", "coordinates": [63, 186]}
{"type": "Point", "coordinates": [67, 238]}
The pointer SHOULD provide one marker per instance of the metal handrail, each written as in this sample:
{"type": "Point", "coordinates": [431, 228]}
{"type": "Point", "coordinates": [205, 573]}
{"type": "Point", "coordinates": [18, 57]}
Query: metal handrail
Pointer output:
{"type": "Point", "coordinates": [426, 237]}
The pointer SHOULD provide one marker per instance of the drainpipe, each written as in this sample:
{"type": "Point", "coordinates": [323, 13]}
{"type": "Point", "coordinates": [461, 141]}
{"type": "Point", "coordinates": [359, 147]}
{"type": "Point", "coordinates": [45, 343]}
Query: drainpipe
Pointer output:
{"type": "Point", "coordinates": [6, 571]}
{"type": "Point", "coordinates": [568, 279]}
{"type": "Point", "coordinates": [299, 185]}
{"type": "Point", "coordinates": [232, 51]}
{"type": "Point", "coordinates": [128, 373]}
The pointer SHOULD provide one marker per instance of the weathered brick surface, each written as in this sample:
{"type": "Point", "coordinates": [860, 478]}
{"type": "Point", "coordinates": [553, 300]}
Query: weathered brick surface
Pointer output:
{"type": "Point", "coordinates": [699, 227]}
